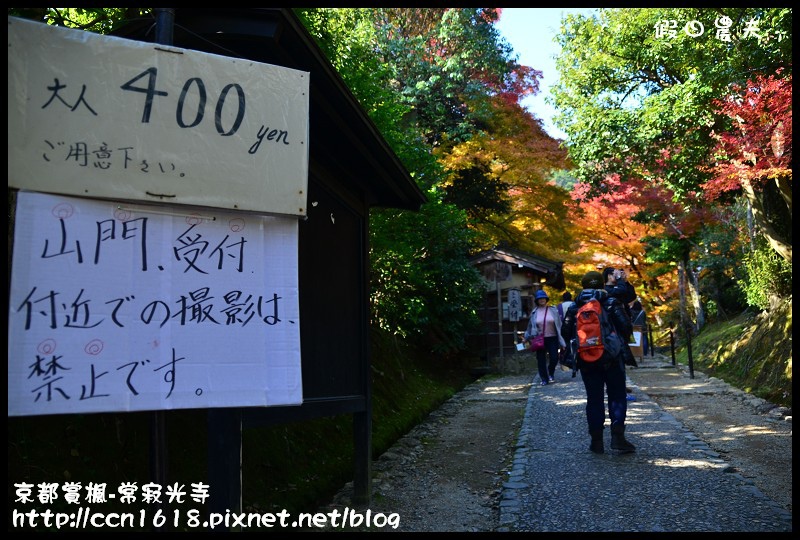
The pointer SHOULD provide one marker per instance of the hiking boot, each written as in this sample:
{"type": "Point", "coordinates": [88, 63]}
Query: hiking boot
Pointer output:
{"type": "Point", "coordinates": [618, 441]}
{"type": "Point", "coordinates": [551, 380]}
{"type": "Point", "coordinates": [544, 383]}
{"type": "Point", "coordinates": [596, 445]}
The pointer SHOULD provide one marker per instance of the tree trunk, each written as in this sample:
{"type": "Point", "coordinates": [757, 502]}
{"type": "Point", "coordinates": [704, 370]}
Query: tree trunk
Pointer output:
{"type": "Point", "coordinates": [694, 289]}
{"type": "Point", "coordinates": [776, 240]}
{"type": "Point", "coordinates": [682, 295]}
{"type": "Point", "coordinates": [751, 226]}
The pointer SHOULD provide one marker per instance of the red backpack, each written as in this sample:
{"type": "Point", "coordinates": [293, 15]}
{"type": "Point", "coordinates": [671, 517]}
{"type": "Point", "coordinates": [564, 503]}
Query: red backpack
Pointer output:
{"type": "Point", "coordinates": [595, 333]}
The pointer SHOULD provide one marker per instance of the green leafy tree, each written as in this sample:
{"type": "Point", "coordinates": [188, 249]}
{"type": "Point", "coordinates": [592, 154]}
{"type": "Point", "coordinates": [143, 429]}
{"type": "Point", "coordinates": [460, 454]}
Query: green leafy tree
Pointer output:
{"type": "Point", "coordinates": [98, 20]}
{"type": "Point", "coordinates": [637, 100]}
{"type": "Point", "coordinates": [635, 103]}
{"type": "Point", "coordinates": [447, 62]}
{"type": "Point", "coordinates": [421, 287]}
{"type": "Point", "coordinates": [717, 262]}
{"type": "Point", "coordinates": [754, 155]}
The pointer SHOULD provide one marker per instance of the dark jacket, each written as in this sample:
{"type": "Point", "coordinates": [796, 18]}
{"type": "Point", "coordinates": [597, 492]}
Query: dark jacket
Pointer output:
{"type": "Point", "coordinates": [622, 291]}
{"type": "Point", "coordinates": [638, 316]}
{"type": "Point", "coordinates": [625, 293]}
{"type": "Point", "coordinates": [612, 306]}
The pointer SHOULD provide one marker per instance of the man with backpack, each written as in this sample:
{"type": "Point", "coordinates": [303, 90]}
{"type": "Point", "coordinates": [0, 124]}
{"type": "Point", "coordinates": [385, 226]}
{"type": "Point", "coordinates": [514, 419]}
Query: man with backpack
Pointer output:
{"type": "Point", "coordinates": [594, 326]}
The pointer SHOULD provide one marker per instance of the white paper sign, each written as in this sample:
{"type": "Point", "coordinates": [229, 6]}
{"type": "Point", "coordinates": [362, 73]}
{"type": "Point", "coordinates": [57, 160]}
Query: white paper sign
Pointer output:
{"type": "Point", "coordinates": [104, 117]}
{"type": "Point", "coordinates": [116, 308]}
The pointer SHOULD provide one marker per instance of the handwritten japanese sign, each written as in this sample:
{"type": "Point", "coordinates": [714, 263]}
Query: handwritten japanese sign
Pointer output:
{"type": "Point", "coordinates": [105, 117]}
{"type": "Point", "coordinates": [119, 308]}
{"type": "Point", "coordinates": [514, 305]}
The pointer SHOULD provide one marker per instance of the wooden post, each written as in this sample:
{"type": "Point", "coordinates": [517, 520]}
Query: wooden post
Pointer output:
{"type": "Point", "coordinates": [672, 345]}
{"type": "Point", "coordinates": [688, 333]}
{"type": "Point", "coordinates": [362, 438]}
{"type": "Point", "coordinates": [224, 461]}
{"type": "Point", "coordinates": [499, 319]}
{"type": "Point", "coordinates": [165, 21]}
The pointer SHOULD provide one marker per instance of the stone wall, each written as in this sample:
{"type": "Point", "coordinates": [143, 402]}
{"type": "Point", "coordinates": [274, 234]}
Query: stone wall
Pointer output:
{"type": "Point", "coordinates": [515, 364]}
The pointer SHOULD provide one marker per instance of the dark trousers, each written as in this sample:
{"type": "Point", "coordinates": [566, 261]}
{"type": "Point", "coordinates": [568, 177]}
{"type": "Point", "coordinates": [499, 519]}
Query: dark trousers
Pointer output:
{"type": "Point", "coordinates": [600, 382]}
{"type": "Point", "coordinates": [550, 349]}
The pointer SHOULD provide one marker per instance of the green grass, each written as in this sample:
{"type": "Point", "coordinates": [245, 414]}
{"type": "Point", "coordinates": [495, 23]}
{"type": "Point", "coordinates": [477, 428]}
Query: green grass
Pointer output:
{"type": "Point", "coordinates": [751, 352]}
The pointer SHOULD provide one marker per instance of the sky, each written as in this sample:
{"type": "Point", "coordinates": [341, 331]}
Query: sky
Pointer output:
{"type": "Point", "coordinates": [530, 31]}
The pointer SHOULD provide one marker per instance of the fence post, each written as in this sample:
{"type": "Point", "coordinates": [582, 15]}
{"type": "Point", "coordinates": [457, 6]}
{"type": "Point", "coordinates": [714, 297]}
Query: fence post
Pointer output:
{"type": "Point", "coordinates": [688, 331]}
{"type": "Point", "coordinates": [672, 345]}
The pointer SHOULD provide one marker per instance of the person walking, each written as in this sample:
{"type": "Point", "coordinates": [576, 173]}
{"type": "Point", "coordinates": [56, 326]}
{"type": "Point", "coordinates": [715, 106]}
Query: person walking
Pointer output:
{"type": "Point", "coordinates": [617, 286]}
{"type": "Point", "coordinates": [566, 303]}
{"type": "Point", "coordinates": [564, 353]}
{"type": "Point", "coordinates": [605, 377]}
{"type": "Point", "coordinates": [544, 320]}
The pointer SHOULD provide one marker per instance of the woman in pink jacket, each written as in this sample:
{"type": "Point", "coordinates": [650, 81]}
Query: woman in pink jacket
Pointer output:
{"type": "Point", "coordinates": [545, 320]}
